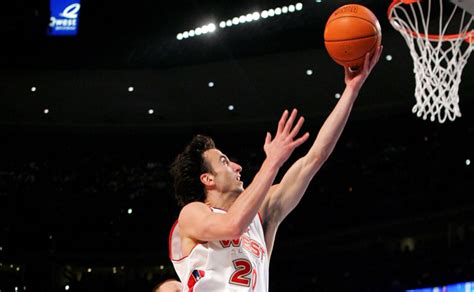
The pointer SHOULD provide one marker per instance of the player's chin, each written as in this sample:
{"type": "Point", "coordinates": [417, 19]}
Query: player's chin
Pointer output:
{"type": "Point", "coordinates": [240, 189]}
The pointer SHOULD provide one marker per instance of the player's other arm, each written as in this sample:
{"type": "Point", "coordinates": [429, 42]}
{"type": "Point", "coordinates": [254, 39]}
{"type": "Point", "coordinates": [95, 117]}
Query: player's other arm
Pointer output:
{"type": "Point", "coordinates": [198, 222]}
{"type": "Point", "coordinates": [284, 197]}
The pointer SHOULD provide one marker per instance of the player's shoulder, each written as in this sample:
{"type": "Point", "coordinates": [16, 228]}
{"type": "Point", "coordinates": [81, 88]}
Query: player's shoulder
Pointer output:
{"type": "Point", "coordinates": [192, 214]}
{"type": "Point", "coordinates": [193, 209]}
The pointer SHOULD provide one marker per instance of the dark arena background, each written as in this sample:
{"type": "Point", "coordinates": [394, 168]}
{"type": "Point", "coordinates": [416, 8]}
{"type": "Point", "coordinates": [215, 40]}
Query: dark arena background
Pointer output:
{"type": "Point", "coordinates": [90, 122]}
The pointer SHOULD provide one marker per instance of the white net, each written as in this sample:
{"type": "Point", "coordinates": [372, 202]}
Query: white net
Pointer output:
{"type": "Point", "coordinates": [439, 57]}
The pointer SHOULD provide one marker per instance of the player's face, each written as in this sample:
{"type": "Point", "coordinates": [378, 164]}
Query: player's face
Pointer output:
{"type": "Point", "coordinates": [226, 173]}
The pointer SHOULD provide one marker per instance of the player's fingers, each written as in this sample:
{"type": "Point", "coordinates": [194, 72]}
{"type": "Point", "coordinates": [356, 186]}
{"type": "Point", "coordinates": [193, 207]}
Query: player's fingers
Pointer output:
{"type": "Point", "coordinates": [352, 71]}
{"type": "Point", "coordinates": [289, 123]}
{"type": "Point", "coordinates": [376, 57]}
{"type": "Point", "coordinates": [347, 71]}
{"type": "Point", "coordinates": [281, 123]}
{"type": "Point", "coordinates": [268, 138]}
{"type": "Point", "coordinates": [379, 53]}
{"type": "Point", "coordinates": [297, 128]}
{"type": "Point", "coordinates": [301, 140]}
{"type": "Point", "coordinates": [367, 62]}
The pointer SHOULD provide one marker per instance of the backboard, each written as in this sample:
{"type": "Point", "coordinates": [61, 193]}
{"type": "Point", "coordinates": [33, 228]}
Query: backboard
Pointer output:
{"type": "Point", "coordinates": [467, 5]}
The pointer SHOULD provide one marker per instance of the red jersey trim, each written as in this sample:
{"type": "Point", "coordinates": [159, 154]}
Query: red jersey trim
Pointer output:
{"type": "Point", "coordinates": [260, 217]}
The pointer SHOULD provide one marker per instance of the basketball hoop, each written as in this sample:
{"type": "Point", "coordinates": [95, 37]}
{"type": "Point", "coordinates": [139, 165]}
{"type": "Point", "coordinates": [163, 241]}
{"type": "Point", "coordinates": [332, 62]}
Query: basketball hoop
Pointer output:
{"type": "Point", "coordinates": [438, 52]}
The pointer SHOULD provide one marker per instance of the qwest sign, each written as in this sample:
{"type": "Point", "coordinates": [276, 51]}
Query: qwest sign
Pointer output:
{"type": "Point", "coordinates": [64, 18]}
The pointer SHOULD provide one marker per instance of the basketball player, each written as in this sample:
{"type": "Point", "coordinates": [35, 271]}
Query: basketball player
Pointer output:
{"type": "Point", "coordinates": [223, 238]}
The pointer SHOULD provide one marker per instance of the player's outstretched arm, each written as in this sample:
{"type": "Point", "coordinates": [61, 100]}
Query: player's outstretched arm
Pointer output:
{"type": "Point", "coordinates": [199, 223]}
{"type": "Point", "coordinates": [284, 196]}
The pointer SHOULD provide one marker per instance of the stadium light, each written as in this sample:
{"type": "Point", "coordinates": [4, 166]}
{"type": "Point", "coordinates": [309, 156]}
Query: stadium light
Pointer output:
{"type": "Point", "coordinates": [236, 20]}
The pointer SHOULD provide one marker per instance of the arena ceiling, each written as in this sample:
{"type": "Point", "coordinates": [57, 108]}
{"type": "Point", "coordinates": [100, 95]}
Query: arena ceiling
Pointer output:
{"type": "Point", "coordinates": [259, 68]}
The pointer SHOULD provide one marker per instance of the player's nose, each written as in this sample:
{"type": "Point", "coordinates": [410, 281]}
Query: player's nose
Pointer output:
{"type": "Point", "coordinates": [236, 167]}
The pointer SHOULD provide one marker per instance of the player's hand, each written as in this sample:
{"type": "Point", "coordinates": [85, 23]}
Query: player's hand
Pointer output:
{"type": "Point", "coordinates": [282, 145]}
{"type": "Point", "coordinates": [357, 78]}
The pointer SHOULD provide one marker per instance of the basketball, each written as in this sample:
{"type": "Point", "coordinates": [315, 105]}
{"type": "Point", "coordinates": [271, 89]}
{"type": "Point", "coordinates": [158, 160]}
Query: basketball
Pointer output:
{"type": "Point", "coordinates": [351, 31]}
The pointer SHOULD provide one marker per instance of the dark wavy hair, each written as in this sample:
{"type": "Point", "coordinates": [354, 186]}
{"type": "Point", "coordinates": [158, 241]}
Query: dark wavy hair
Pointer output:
{"type": "Point", "coordinates": [187, 168]}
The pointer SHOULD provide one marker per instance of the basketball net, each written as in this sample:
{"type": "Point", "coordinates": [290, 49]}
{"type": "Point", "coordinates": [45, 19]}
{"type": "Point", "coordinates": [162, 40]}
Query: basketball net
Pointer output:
{"type": "Point", "coordinates": [438, 58]}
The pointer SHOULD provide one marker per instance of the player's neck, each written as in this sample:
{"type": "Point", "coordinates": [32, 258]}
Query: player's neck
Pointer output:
{"type": "Point", "coordinates": [220, 201]}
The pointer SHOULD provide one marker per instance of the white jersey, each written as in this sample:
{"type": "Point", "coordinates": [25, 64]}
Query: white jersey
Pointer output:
{"type": "Point", "coordinates": [224, 265]}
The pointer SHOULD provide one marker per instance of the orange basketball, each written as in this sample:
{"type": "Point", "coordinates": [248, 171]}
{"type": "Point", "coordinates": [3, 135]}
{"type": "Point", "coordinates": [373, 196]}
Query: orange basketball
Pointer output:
{"type": "Point", "coordinates": [351, 31]}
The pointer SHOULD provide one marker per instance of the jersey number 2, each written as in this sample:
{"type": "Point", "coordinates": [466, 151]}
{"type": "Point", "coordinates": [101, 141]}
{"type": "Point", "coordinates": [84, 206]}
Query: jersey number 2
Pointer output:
{"type": "Point", "coordinates": [243, 268]}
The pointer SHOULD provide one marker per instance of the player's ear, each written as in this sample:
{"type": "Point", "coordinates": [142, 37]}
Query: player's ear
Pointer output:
{"type": "Point", "coordinates": [207, 179]}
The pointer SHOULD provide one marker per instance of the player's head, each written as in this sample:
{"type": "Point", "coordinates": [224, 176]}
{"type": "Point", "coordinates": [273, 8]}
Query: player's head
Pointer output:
{"type": "Point", "coordinates": [169, 285]}
{"type": "Point", "coordinates": [223, 176]}
{"type": "Point", "coordinates": [187, 169]}
{"type": "Point", "coordinates": [202, 167]}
